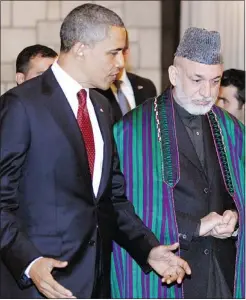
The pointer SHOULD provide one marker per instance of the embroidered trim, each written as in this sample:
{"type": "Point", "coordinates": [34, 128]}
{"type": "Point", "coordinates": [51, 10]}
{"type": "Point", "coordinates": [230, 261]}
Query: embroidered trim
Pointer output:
{"type": "Point", "coordinates": [168, 169]}
{"type": "Point", "coordinates": [219, 142]}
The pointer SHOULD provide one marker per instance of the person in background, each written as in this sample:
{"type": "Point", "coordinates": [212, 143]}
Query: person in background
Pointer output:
{"type": "Point", "coordinates": [128, 90]}
{"type": "Point", "coordinates": [184, 164]}
{"type": "Point", "coordinates": [232, 93]}
{"type": "Point", "coordinates": [62, 198]}
{"type": "Point", "coordinates": [32, 61]}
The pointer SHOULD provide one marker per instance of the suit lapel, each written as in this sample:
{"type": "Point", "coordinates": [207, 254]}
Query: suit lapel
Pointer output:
{"type": "Point", "coordinates": [114, 104]}
{"type": "Point", "coordinates": [63, 115]}
{"type": "Point", "coordinates": [104, 124]}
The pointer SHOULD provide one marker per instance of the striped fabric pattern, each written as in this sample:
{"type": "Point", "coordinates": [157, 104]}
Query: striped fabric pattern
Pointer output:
{"type": "Point", "coordinates": [233, 135]}
{"type": "Point", "coordinates": [150, 181]}
{"type": "Point", "coordinates": [139, 149]}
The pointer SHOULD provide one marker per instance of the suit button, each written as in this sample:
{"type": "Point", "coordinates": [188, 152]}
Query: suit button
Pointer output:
{"type": "Point", "coordinates": [92, 243]}
{"type": "Point", "coordinates": [205, 190]}
{"type": "Point", "coordinates": [206, 251]}
{"type": "Point", "coordinates": [184, 236]}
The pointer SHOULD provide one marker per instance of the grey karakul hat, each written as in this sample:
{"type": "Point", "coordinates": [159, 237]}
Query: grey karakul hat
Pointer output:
{"type": "Point", "coordinates": [200, 45]}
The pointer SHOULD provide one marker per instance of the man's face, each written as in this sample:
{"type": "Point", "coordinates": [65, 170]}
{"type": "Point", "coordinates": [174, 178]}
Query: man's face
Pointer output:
{"type": "Point", "coordinates": [104, 60]}
{"type": "Point", "coordinates": [197, 85]}
{"type": "Point", "coordinates": [228, 101]}
{"type": "Point", "coordinates": [36, 67]}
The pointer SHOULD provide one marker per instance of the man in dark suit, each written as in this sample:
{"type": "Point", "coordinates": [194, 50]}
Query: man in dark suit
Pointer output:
{"type": "Point", "coordinates": [62, 193]}
{"type": "Point", "coordinates": [129, 90]}
{"type": "Point", "coordinates": [32, 61]}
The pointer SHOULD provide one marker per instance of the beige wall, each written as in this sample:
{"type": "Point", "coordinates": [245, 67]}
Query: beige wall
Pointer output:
{"type": "Point", "coordinates": [228, 18]}
{"type": "Point", "coordinates": [24, 23]}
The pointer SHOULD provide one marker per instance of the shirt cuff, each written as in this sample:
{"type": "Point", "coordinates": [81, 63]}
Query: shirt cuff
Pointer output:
{"type": "Point", "coordinates": [197, 231]}
{"type": "Point", "coordinates": [29, 267]}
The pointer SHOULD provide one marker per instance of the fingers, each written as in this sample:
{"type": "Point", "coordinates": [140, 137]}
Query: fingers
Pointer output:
{"type": "Point", "coordinates": [58, 264]}
{"type": "Point", "coordinates": [227, 215]}
{"type": "Point", "coordinates": [172, 247]}
{"type": "Point", "coordinates": [185, 266]}
{"type": "Point", "coordinates": [40, 274]}
{"type": "Point", "coordinates": [172, 276]}
{"type": "Point", "coordinates": [223, 231]}
{"type": "Point", "coordinates": [54, 289]}
{"type": "Point", "coordinates": [57, 288]}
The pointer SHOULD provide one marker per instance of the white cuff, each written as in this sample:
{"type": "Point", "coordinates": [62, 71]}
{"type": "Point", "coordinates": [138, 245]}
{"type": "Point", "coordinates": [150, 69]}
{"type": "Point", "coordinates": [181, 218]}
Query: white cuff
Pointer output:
{"type": "Point", "coordinates": [29, 267]}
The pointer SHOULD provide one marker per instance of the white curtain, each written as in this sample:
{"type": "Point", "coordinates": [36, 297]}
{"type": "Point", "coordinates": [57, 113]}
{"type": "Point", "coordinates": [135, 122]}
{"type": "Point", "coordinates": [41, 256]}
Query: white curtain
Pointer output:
{"type": "Point", "coordinates": [226, 17]}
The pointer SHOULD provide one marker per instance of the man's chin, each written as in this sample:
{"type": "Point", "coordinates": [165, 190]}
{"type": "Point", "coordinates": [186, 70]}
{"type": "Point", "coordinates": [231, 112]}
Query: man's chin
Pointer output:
{"type": "Point", "coordinates": [198, 110]}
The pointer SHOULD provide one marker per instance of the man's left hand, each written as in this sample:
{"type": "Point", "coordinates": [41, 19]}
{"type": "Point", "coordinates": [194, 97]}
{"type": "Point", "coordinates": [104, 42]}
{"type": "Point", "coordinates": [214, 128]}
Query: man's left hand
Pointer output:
{"type": "Point", "coordinates": [168, 265]}
{"type": "Point", "coordinates": [226, 228]}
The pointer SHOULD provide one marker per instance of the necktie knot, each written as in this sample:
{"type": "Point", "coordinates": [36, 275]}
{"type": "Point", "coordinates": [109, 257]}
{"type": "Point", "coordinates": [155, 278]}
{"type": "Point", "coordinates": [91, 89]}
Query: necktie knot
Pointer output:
{"type": "Point", "coordinates": [82, 97]}
{"type": "Point", "coordinates": [118, 83]}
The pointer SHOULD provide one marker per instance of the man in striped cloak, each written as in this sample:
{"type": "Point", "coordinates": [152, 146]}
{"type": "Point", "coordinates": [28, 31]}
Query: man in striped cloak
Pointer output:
{"type": "Point", "coordinates": [183, 160]}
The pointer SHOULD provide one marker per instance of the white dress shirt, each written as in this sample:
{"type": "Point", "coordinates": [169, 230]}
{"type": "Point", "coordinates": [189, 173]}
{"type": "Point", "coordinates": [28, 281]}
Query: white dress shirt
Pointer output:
{"type": "Point", "coordinates": [70, 88]}
{"type": "Point", "coordinates": [126, 88]}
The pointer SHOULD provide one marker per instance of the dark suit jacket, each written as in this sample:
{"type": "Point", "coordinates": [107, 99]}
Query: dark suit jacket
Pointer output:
{"type": "Point", "coordinates": [48, 207]}
{"type": "Point", "coordinates": [211, 259]}
{"type": "Point", "coordinates": [143, 89]}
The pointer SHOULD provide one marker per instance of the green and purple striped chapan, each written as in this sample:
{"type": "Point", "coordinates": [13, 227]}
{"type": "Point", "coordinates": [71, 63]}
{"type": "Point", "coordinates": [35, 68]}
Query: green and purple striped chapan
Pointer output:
{"type": "Point", "coordinates": [142, 137]}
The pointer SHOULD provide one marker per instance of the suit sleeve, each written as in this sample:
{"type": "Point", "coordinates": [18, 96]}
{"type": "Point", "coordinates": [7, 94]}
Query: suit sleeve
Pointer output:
{"type": "Point", "coordinates": [190, 229]}
{"type": "Point", "coordinates": [131, 232]}
{"type": "Point", "coordinates": [17, 251]}
{"type": "Point", "coordinates": [152, 88]}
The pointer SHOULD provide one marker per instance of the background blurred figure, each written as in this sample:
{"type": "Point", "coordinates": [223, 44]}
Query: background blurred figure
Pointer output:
{"type": "Point", "coordinates": [232, 93]}
{"type": "Point", "coordinates": [33, 61]}
{"type": "Point", "coordinates": [129, 90]}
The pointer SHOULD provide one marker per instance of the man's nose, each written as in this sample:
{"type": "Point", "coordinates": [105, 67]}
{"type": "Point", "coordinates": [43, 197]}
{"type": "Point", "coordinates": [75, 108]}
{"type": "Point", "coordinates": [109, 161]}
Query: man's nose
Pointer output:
{"type": "Point", "coordinates": [205, 90]}
{"type": "Point", "coordinates": [120, 60]}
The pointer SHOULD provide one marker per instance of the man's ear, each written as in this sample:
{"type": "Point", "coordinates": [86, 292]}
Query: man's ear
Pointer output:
{"type": "Point", "coordinates": [19, 77]}
{"type": "Point", "coordinates": [78, 50]}
{"type": "Point", "coordinates": [172, 72]}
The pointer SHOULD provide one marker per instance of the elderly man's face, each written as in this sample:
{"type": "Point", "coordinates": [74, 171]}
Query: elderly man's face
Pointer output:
{"type": "Point", "coordinates": [196, 86]}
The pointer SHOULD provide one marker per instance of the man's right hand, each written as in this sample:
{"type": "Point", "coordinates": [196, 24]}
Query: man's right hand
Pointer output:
{"type": "Point", "coordinates": [209, 222]}
{"type": "Point", "coordinates": [40, 273]}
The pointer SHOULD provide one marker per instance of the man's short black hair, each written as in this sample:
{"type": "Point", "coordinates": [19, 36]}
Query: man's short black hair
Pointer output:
{"type": "Point", "coordinates": [88, 23]}
{"type": "Point", "coordinates": [24, 57]}
{"type": "Point", "coordinates": [235, 78]}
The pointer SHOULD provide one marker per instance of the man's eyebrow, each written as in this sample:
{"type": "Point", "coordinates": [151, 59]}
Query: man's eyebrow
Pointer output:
{"type": "Point", "coordinates": [118, 49]}
{"type": "Point", "coordinates": [222, 98]}
{"type": "Point", "coordinates": [202, 77]}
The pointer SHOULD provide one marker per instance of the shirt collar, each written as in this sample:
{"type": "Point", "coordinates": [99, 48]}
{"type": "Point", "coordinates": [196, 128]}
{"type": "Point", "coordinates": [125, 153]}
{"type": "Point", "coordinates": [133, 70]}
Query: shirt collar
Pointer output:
{"type": "Point", "coordinates": [67, 83]}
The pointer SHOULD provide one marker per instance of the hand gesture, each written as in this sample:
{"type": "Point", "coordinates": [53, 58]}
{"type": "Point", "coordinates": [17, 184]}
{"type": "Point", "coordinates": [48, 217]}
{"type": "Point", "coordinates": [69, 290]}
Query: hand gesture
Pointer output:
{"type": "Point", "coordinates": [40, 273]}
{"type": "Point", "coordinates": [209, 222]}
{"type": "Point", "coordinates": [227, 225]}
{"type": "Point", "coordinates": [167, 264]}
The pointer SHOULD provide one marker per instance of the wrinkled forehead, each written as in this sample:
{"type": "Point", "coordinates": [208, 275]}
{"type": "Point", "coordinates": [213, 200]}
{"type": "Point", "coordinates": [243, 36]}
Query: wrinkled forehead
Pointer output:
{"type": "Point", "coordinates": [193, 68]}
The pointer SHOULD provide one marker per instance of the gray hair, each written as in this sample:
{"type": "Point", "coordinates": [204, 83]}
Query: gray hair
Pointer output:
{"type": "Point", "coordinates": [88, 23]}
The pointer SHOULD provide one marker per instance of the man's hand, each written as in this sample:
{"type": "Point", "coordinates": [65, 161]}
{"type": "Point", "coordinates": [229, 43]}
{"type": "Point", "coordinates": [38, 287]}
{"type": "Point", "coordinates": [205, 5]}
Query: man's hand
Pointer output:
{"type": "Point", "coordinates": [40, 273]}
{"type": "Point", "coordinates": [221, 227]}
{"type": "Point", "coordinates": [167, 264]}
{"type": "Point", "coordinates": [209, 222]}
{"type": "Point", "coordinates": [226, 228]}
